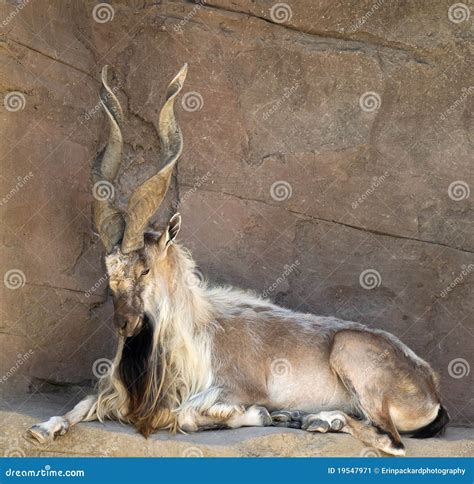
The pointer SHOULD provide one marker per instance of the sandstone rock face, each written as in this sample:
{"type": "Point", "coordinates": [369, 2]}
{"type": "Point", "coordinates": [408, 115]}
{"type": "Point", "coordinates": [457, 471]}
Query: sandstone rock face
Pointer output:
{"type": "Point", "coordinates": [327, 165]}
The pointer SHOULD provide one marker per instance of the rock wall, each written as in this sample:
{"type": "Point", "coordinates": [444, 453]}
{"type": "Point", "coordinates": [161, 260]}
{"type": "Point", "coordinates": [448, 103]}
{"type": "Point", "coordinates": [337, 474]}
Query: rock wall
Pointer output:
{"type": "Point", "coordinates": [327, 165]}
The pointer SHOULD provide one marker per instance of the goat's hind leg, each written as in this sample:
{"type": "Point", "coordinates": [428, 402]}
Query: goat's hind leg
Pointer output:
{"type": "Point", "coordinates": [337, 421]}
{"type": "Point", "coordinates": [45, 432]}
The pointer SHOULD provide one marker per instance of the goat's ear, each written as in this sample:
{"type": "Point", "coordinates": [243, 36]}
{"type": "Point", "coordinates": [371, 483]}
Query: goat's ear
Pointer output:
{"type": "Point", "coordinates": [174, 226]}
{"type": "Point", "coordinates": [171, 232]}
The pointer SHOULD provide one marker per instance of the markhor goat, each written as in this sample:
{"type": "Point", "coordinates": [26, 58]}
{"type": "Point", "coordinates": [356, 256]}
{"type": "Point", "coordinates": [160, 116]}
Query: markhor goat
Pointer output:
{"type": "Point", "coordinates": [191, 356]}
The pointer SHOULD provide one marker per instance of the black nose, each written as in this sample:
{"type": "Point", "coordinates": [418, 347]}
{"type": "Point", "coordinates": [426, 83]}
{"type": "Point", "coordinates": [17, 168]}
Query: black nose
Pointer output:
{"type": "Point", "coordinates": [120, 322]}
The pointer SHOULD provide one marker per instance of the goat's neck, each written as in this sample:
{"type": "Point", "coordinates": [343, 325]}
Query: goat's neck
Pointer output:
{"type": "Point", "coordinates": [183, 316]}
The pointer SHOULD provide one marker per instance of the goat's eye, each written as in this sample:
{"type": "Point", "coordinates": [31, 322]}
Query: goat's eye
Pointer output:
{"type": "Point", "coordinates": [145, 272]}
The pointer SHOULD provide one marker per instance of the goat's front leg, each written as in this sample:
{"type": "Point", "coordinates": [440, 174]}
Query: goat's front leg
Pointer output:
{"type": "Point", "coordinates": [45, 432]}
{"type": "Point", "coordinates": [223, 415]}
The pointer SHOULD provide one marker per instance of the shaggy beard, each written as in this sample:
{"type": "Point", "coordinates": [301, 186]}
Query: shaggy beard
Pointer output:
{"type": "Point", "coordinates": [141, 371]}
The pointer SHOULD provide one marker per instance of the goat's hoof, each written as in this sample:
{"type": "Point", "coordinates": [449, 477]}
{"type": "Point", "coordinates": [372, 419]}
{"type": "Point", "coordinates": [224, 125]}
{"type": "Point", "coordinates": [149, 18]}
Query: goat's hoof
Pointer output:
{"type": "Point", "coordinates": [297, 415]}
{"type": "Point", "coordinates": [316, 425]}
{"type": "Point", "coordinates": [266, 419]}
{"type": "Point", "coordinates": [337, 424]}
{"type": "Point", "coordinates": [45, 432]}
{"type": "Point", "coordinates": [281, 416]}
{"type": "Point", "coordinates": [38, 435]}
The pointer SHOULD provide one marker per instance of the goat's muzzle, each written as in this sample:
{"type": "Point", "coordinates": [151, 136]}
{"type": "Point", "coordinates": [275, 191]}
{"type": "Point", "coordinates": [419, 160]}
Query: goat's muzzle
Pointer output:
{"type": "Point", "coordinates": [128, 324]}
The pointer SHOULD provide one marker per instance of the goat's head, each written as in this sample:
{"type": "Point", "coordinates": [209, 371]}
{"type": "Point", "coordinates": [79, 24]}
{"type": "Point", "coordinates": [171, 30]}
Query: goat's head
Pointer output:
{"type": "Point", "coordinates": [136, 257]}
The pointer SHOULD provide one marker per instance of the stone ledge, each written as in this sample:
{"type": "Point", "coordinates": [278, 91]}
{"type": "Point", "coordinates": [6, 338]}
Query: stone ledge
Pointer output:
{"type": "Point", "coordinates": [114, 439]}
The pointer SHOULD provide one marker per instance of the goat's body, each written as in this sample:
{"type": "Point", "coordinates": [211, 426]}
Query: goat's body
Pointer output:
{"type": "Point", "coordinates": [271, 356]}
{"type": "Point", "coordinates": [274, 357]}
{"type": "Point", "coordinates": [215, 357]}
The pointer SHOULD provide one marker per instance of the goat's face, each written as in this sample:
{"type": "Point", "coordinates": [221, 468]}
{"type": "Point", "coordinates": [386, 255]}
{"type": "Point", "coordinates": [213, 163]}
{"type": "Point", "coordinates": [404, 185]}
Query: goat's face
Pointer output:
{"type": "Point", "coordinates": [137, 279]}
